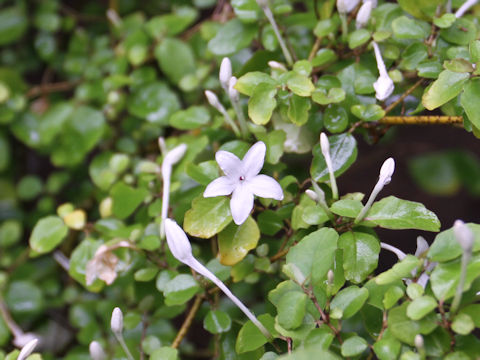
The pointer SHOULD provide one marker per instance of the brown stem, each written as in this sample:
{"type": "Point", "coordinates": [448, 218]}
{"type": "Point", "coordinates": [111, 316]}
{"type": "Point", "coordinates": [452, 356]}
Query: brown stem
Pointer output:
{"type": "Point", "coordinates": [404, 95]}
{"type": "Point", "coordinates": [188, 321]}
{"type": "Point", "coordinates": [49, 88]}
{"type": "Point", "coordinates": [421, 120]}
{"type": "Point", "coordinates": [316, 46]}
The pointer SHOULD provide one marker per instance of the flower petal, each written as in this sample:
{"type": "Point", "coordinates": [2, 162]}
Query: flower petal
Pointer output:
{"type": "Point", "coordinates": [422, 246]}
{"type": "Point", "coordinates": [266, 187]}
{"type": "Point", "coordinates": [218, 187]}
{"type": "Point", "coordinates": [253, 160]}
{"type": "Point", "coordinates": [241, 204]}
{"type": "Point", "coordinates": [229, 163]}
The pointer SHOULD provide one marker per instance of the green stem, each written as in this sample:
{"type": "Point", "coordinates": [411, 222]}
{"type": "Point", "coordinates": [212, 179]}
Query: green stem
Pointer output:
{"type": "Point", "coordinates": [241, 117]}
{"type": "Point", "coordinates": [343, 19]}
{"type": "Point", "coordinates": [122, 343]}
{"type": "Point", "coordinates": [461, 283]}
{"type": "Point", "coordinates": [283, 46]}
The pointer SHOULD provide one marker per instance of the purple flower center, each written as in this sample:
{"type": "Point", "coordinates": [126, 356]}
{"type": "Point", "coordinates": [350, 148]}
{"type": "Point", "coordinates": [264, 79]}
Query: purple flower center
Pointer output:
{"type": "Point", "coordinates": [241, 178]}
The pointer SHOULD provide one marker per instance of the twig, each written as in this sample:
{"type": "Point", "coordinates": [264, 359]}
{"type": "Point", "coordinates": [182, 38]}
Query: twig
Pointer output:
{"type": "Point", "coordinates": [49, 88]}
{"type": "Point", "coordinates": [188, 321]}
{"type": "Point", "coordinates": [403, 96]}
{"type": "Point", "coordinates": [421, 120]}
{"type": "Point", "coordinates": [315, 47]}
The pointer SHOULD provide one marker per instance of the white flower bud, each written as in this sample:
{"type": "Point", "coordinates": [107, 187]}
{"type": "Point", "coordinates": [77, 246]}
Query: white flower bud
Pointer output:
{"type": "Point", "coordinates": [225, 72]}
{"type": "Point", "coordinates": [387, 170]}
{"type": "Point", "coordinates": [419, 343]}
{"type": "Point", "coordinates": [213, 100]}
{"type": "Point", "coordinates": [96, 351]}
{"type": "Point", "coordinates": [116, 323]}
{"type": "Point", "coordinates": [374, 3]}
{"type": "Point", "coordinates": [345, 6]}
{"type": "Point", "coordinates": [177, 241]}
{"type": "Point", "coordinates": [27, 349]}
{"type": "Point", "coordinates": [325, 145]}
{"type": "Point", "coordinates": [330, 277]}
{"type": "Point", "coordinates": [363, 14]}
{"type": "Point", "coordinates": [174, 155]}
{"type": "Point", "coordinates": [464, 235]}
{"type": "Point", "coordinates": [232, 92]}
{"type": "Point", "coordinates": [276, 65]}
{"type": "Point", "coordinates": [312, 195]}
{"type": "Point", "coordinates": [384, 84]}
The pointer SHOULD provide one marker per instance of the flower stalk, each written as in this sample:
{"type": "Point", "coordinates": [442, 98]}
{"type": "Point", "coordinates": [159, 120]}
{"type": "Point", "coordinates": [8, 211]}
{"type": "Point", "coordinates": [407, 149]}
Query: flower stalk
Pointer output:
{"type": "Point", "coordinates": [268, 13]}
{"type": "Point", "coordinates": [234, 96]}
{"type": "Point", "coordinates": [385, 177]}
{"type": "Point", "coordinates": [464, 8]}
{"type": "Point", "coordinates": [213, 101]}
{"type": "Point", "coordinates": [182, 250]}
{"type": "Point", "coordinates": [27, 349]}
{"type": "Point", "coordinates": [325, 147]}
{"type": "Point", "coordinates": [116, 324]}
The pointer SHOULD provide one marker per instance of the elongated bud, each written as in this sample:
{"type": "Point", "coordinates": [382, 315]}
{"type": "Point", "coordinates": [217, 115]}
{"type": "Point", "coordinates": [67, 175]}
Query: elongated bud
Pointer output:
{"type": "Point", "coordinates": [276, 65]}
{"type": "Point", "coordinates": [387, 170]}
{"type": "Point", "coordinates": [420, 344]}
{"type": "Point", "coordinates": [177, 241]}
{"type": "Point", "coordinates": [213, 100]}
{"type": "Point", "coordinates": [225, 72]}
{"type": "Point", "coordinates": [175, 155]}
{"type": "Point", "coordinates": [112, 15]}
{"type": "Point", "coordinates": [162, 146]}
{"type": "Point", "coordinates": [330, 277]}
{"type": "Point", "coordinates": [384, 85]}
{"type": "Point", "coordinates": [232, 92]}
{"type": "Point", "coordinates": [325, 145]}
{"type": "Point", "coordinates": [363, 14]}
{"type": "Point", "coordinates": [96, 351]}
{"type": "Point", "coordinates": [312, 195]}
{"type": "Point", "coordinates": [27, 349]}
{"type": "Point", "coordinates": [464, 235]}
{"type": "Point", "coordinates": [262, 3]}
{"type": "Point", "coordinates": [116, 323]}
{"type": "Point", "coordinates": [345, 6]}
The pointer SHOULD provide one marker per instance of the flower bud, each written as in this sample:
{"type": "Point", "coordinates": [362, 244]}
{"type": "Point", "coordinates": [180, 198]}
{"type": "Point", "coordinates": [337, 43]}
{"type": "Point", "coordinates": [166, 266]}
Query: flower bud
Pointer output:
{"type": "Point", "coordinates": [96, 351]}
{"type": "Point", "coordinates": [464, 235]}
{"type": "Point", "coordinates": [312, 195]}
{"type": "Point", "coordinates": [213, 100]}
{"type": "Point", "coordinates": [363, 14]}
{"type": "Point", "coordinates": [177, 241]}
{"type": "Point", "coordinates": [232, 92]}
{"type": "Point", "coordinates": [325, 145]}
{"type": "Point", "coordinates": [387, 170]}
{"type": "Point", "coordinates": [419, 343]}
{"type": "Point", "coordinates": [116, 323]}
{"type": "Point", "coordinates": [345, 6]}
{"type": "Point", "coordinates": [330, 277]}
{"type": "Point", "coordinates": [384, 84]}
{"type": "Point", "coordinates": [22, 339]}
{"type": "Point", "coordinates": [276, 65]}
{"type": "Point", "coordinates": [27, 349]}
{"type": "Point", "coordinates": [174, 155]}
{"type": "Point", "coordinates": [225, 72]}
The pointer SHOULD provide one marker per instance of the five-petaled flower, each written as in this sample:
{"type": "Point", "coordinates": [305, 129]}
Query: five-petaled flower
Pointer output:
{"type": "Point", "coordinates": [243, 181]}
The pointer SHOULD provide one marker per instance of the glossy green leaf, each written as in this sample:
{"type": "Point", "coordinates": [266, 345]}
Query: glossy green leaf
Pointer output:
{"type": "Point", "coordinates": [407, 28]}
{"type": "Point", "coordinates": [446, 247]}
{"type": "Point", "coordinates": [217, 322]}
{"type": "Point", "coordinates": [250, 337]}
{"type": "Point", "coordinates": [247, 83]}
{"type": "Point", "coordinates": [180, 289]}
{"type": "Point", "coordinates": [232, 37]}
{"type": "Point", "coordinates": [448, 86]}
{"type": "Point", "coordinates": [298, 109]}
{"type": "Point", "coordinates": [208, 216]}
{"type": "Point", "coordinates": [347, 207]}
{"type": "Point", "coordinates": [13, 24]}
{"type": "Point", "coordinates": [126, 199]}
{"type": "Point", "coordinates": [262, 103]}
{"type": "Point", "coordinates": [463, 324]}
{"type": "Point", "coordinates": [300, 85]}
{"type": "Point", "coordinates": [358, 38]}
{"type": "Point", "coordinates": [394, 213]}
{"type": "Point", "coordinates": [175, 59]}
{"type": "Point", "coordinates": [469, 101]}
{"type": "Point", "coordinates": [420, 307]}
{"type": "Point", "coordinates": [234, 242]}
{"type": "Point", "coordinates": [392, 295]}
{"type": "Point", "coordinates": [191, 118]}
{"type": "Point", "coordinates": [398, 271]}
{"type": "Point", "coordinates": [353, 346]}
{"type": "Point", "coordinates": [323, 96]}
{"type": "Point", "coordinates": [387, 348]}
{"type": "Point", "coordinates": [349, 301]}
{"type": "Point", "coordinates": [47, 234]}
{"type": "Point", "coordinates": [371, 112]}
{"type": "Point", "coordinates": [460, 33]}
{"type": "Point", "coordinates": [164, 353]}
{"type": "Point", "coordinates": [291, 309]}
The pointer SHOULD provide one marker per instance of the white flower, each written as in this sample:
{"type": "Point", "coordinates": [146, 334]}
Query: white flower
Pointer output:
{"type": "Point", "coordinates": [96, 351]}
{"type": "Point", "coordinates": [363, 14]}
{"type": "Point", "coordinates": [345, 6]}
{"type": "Point", "coordinates": [243, 181]}
{"type": "Point", "coordinates": [27, 349]}
{"type": "Point", "coordinates": [465, 7]}
{"type": "Point", "coordinates": [384, 84]}
{"type": "Point", "coordinates": [225, 72]}
{"type": "Point", "coordinates": [181, 249]}
{"type": "Point", "coordinates": [464, 235]}
{"type": "Point", "coordinates": [104, 264]}
{"type": "Point", "coordinates": [116, 322]}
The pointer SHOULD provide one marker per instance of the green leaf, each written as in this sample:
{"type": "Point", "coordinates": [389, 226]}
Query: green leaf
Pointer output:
{"type": "Point", "coordinates": [207, 217]}
{"type": "Point", "coordinates": [250, 337]}
{"type": "Point", "coordinates": [463, 324]}
{"type": "Point", "coordinates": [47, 234]}
{"type": "Point", "coordinates": [421, 9]}
{"type": "Point", "coordinates": [24, 298]}
{"type": "Point", "coordinates": [353, 346]}
{"type": "Point", "coordinates": [444, 21]}
{"type": "Point", "coordinates": [164, 353]}
{"type": "Point", "coordinates": [429, 69]}
{"type": "Point", "coordinates": [126, 199]}
{"type": "Point", "coordinates": [348, 301]}
{"type": "Point", "coordinates": [415, 290]}
{"type": "Point", "coordinates": [469, 101]}
{"type": "Point", "coordinates": [262, 103]}
{"type": "Point", "coordinates": [394, 213]}
{"type": "Point", "coordinates": [234, 242]}
{"type": "Point", "coordinates": [291, 309]}
{"type": "Point", "coordinates": [13, 24]}
{"type": "Point", "coordinates": [387, 348]}
{"type": "Point", "coordinates": [420, 307]}
{"type": "Point", "coordinates": [343, 151]}
{"type": "Point", "coordinates": [146, 274]}
{"type": "Point", "coordinates": [246, 10]}
{"type": "Point", "coordinates": [448, 85]}
{"type": "Point", "coordinates": [370, 112]}
{"type": "Point", "coordinates": [79, 258]}
{"type": "Point", "coordinates": [203, 173]}
{"type": "Point", "coordinates": [474, 50]}
{"type": "Point", "coordinates": [413, 55]}
{"type": "Point", "coordinates": [100, 172]}
{"type": "Point", "coordinates": [269, 222]}
{"type": "Point", "coordinates": [407, 28]}
{"type": "Point", "coordinates": [154, 102]}
{"type": "Point", "coordinates": [274, 141]}
{"type": "Point", "coordinates": [314, 254]}
{"type": "Point", "coordinates": [173, 23]}
{"type": "Point", "coordinates": [358, 38]}
{"type": "Point", "coordinates": [462, 32]}
{"type": "Point", "coordinates": [300, 85]}
{"type": "Point", "coordinates": [444, 278]}
{"type": "Point", "coordinates": [232, 37]}
{"type": "Point", "coordinates": [458, 65]}
{"type": "Point", "coordinates": [314, 215]}
{"type": "Point", "coordinates": [347, 207]}
{"type": "Point", "coordinates": [191, 118]}
{"type": "Point", "coordinates": [175, 59]}
{"type": "Point", "coordinates": [324, 96]}
{"type": "Point", "coordinates": [392, 295]}
{"type": "Point", "coordinates": [399, 270]}
{"type": "Point", "coordinates": [360, 254]}
{"type": "Point", "coordinates": [327, 26]}
{"type": "Point", "coordinates": [247, 83]}
{"type": "Point", "coordinates": [217, 322]}
{"type": "Point", "coordinates": [446, 247]}
{"type": "Point", "coordinates": [298, 109]}
{"type": "Point", "coordinates": [180, 289]}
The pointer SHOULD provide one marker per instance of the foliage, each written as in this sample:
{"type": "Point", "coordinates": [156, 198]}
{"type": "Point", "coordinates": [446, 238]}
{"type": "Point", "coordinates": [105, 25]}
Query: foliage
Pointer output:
{"type": "Point", "coordinates": [86, 90]}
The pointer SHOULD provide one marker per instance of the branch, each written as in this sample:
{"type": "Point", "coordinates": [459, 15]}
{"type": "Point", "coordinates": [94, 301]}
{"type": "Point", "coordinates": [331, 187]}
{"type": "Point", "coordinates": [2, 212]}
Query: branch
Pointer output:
{"type": "Point", "coordinates": [421, 120]}
{"type": "Point", "coordinates": [404, 95]}
{"type": "Point", "coordinates": [188, 321]}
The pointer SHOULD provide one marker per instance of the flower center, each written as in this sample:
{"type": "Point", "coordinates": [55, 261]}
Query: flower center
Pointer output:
{"type": "Point", "coordinates": [241, 178]}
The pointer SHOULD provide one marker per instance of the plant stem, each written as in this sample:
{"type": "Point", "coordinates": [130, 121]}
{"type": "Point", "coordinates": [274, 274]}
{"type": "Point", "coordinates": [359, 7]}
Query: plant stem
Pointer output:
{"type": "Point", "coordinates": [241, 117]}
{"type": "Point", "coordinates": [122, 343]}
{"type": "Point", "coordinates": [461, 283]}
{"type": "Point", "coordinates": [403, 96]}
{"type": "Point", "coordinates": [421, 120]}
{"type": "Point", "coordinates": [188, 321]}
{"type": "Point", "coordinates": [400, 254]}
{"type": "Point", "coordinates": [343, 19]}
{"type": "Point", "coordinates": [230, 122]}
{"type": "Point", "coordinates": [378, 187]}
{"type": "Point", "coordinates": [283, 46]}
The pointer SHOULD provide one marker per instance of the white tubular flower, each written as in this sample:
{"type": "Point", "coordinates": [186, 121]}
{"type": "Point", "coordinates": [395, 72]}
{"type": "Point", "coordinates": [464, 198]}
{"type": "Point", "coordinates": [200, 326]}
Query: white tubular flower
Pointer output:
{"type": "Point", "coordinates": [96, 351]}
{"type": "Point", "coordinates": [345, 6]}
{"type": "Point", "coordinates": [213, 100]}
{"type": "Point", "coordinates": [464, 235]}
{"type": "Point", "coordinates": [276, 65]}
{"type": "Point", "coordinates": [325, 147]}
{"type": "Point", "coordinates": [465, 7]}
{"type": "Point", "coordinates": [225, 72]}
{"type": "Point", "coordinates": [116, 322]}
{"type": "Point", "coordinates": [27, 349]}
{"type": "Point", "coordinates": [384, 84]}
{"type": "Point", "coordinates": [233, 93]}
{"type": "Point", "coordinates": [363, 14]}
{"type": "Point", "coordinates": [181, 249]}
{"type": "Point", "coordinates": [243, 181]}
{"type": "Point", "coordinates": [384, 178]}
